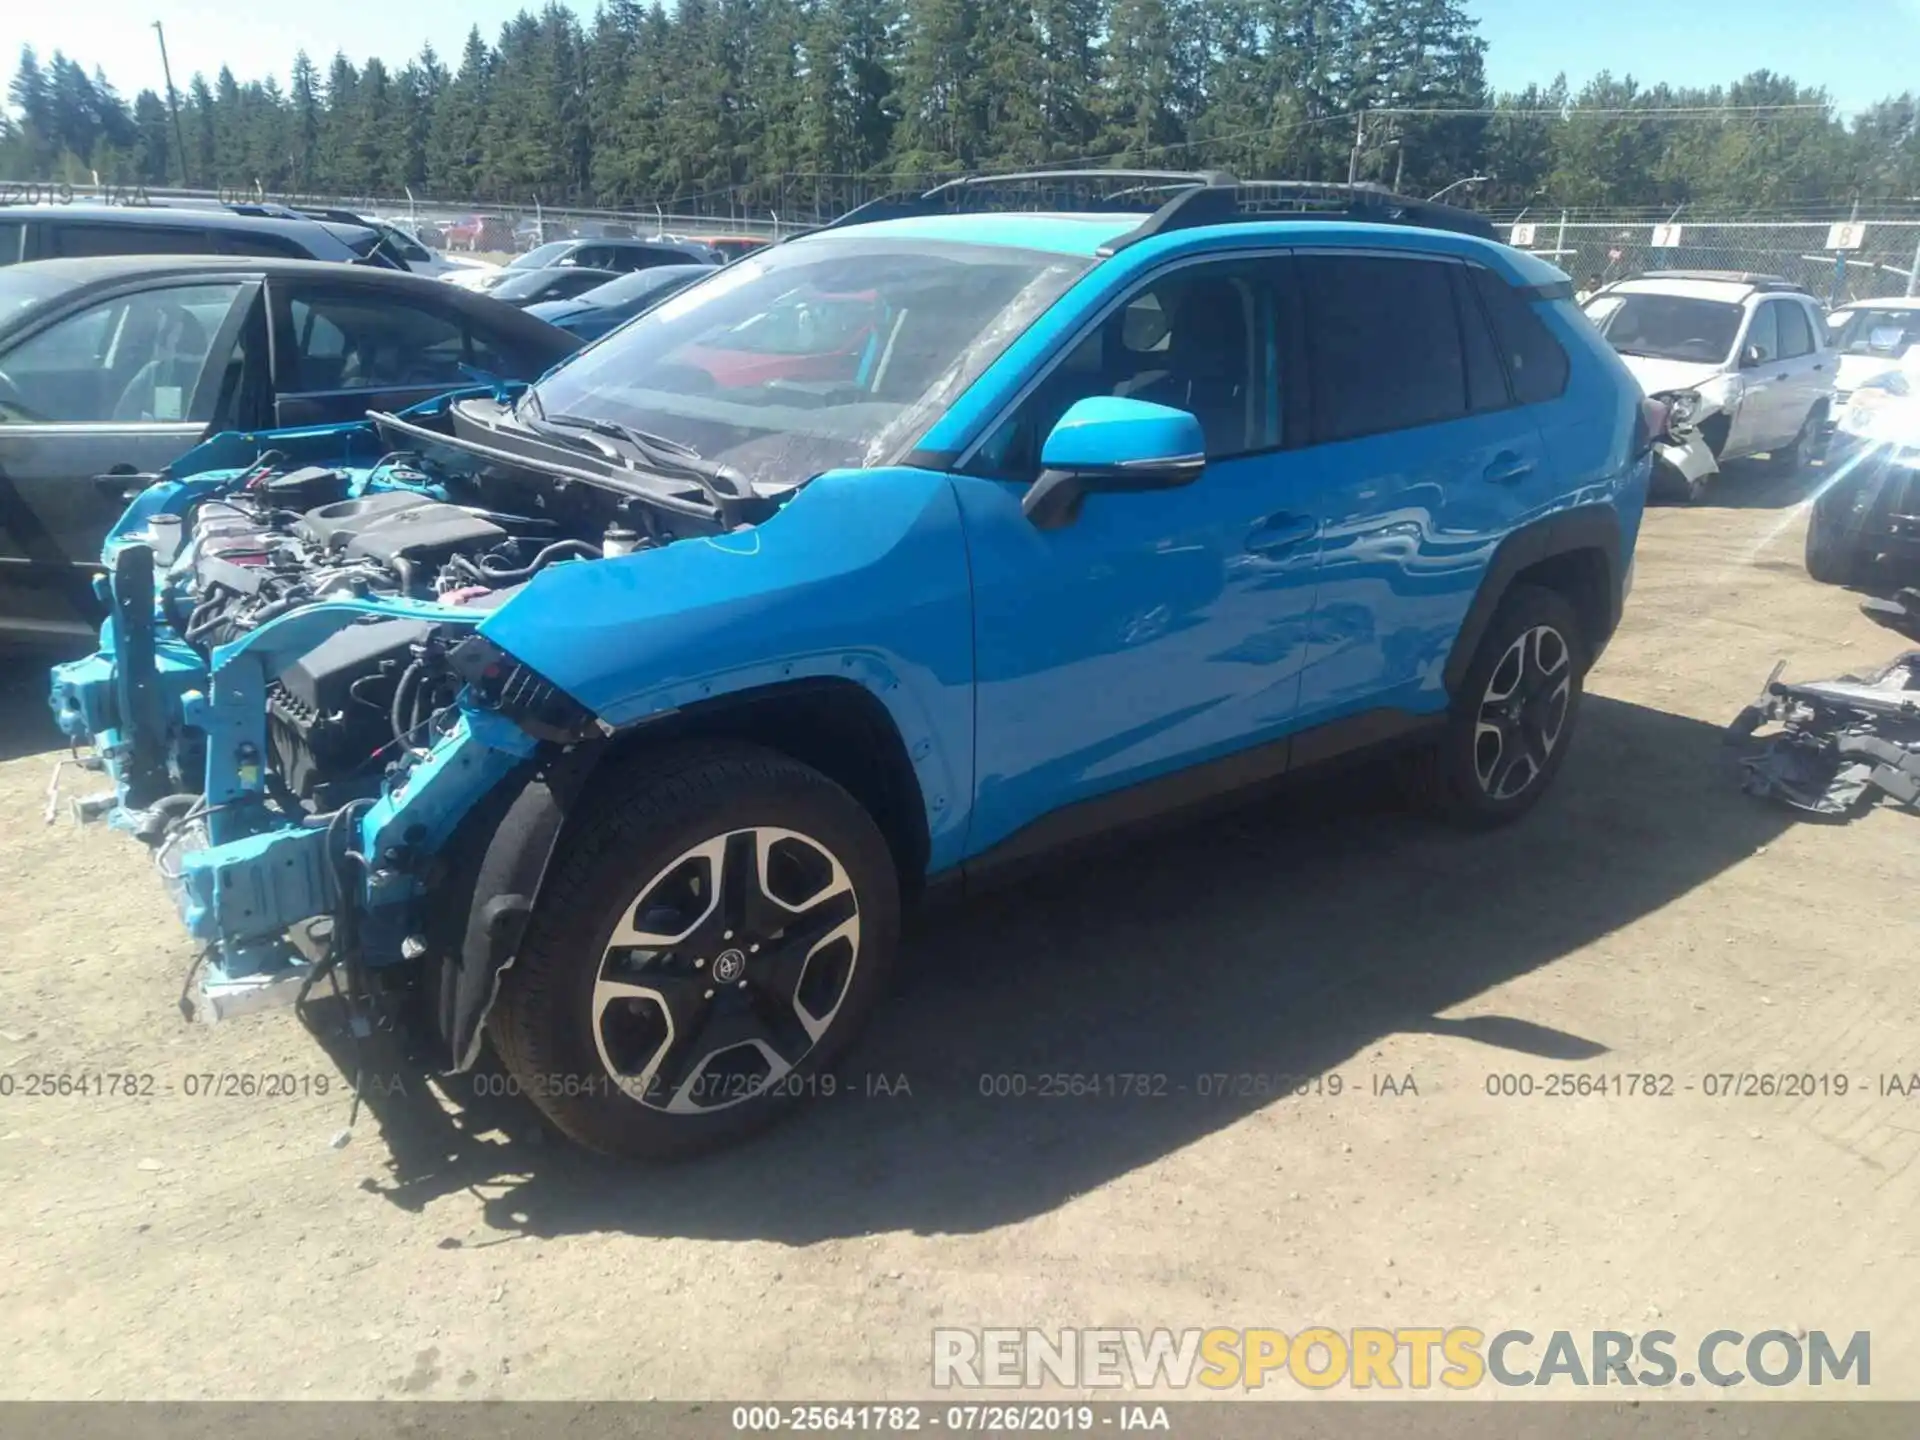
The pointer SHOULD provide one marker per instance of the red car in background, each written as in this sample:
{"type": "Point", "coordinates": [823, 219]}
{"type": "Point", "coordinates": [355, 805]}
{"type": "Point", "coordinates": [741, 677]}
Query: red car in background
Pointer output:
{"type": "Point", "coordinates": [811, 337]}
{"type": "Point", "coordinates": [735, 247]}
{"type": "Point", "coordinates": [480, 232]}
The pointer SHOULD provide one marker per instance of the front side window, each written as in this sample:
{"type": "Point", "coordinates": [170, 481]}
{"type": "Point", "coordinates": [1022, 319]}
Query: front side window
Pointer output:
{"type": "Point", "coordinates": [1383, 344]}
{"type": "Point", "coordinates": [1668, 327]}
{"type": "Point", "coordinates": [540, 256]}
{"type": "Point", "coordinates": [727, 369]}
{"type": "Point", "coordinates": [1763, 335]}
{"type": "Point", "coordinates": [1796, 333]}
{"type": "Point", "coordinates": [133, 359]}
{"type": "Point", "coordinates": [355, 342]}
{"type": "Point", "coordinates": [1195, 339]}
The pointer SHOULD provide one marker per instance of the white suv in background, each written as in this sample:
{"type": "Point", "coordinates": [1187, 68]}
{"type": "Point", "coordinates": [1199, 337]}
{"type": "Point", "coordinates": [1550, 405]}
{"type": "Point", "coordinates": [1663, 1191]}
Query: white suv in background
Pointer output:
{"type": "Point", "coordinates": [1873, 338]}
{"type": "Point", "coordinates": [1751, 349]}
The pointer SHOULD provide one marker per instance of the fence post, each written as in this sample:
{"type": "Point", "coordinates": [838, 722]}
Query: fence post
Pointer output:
{"type": "Point", "coordinates": [1913, 275]}
{"type": "Point", "coordinates": [1560, 245]}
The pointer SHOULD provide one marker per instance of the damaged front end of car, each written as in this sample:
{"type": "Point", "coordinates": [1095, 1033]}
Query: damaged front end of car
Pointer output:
{"type": "Point", "coordinates": [341, 778]}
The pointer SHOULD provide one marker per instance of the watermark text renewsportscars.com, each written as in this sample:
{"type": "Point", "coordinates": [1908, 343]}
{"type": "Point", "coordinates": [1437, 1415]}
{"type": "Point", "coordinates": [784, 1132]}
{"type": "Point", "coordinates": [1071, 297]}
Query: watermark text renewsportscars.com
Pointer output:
{"type": "Point", "coordinates": [1392, 1358]}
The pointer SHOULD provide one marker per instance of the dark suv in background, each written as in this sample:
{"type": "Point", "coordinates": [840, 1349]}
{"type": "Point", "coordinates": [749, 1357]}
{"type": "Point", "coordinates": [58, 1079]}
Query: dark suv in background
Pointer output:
{"type": "Point", "coordinates": [74, 232]}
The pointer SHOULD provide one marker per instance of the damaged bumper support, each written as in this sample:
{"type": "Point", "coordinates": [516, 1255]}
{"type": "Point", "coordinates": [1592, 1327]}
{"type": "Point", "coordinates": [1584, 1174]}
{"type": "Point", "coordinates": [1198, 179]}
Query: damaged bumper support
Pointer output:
{"type": "Point", "coordinates": [274, 895]}
{"type": "Point", "coordinates": [1841, 746]}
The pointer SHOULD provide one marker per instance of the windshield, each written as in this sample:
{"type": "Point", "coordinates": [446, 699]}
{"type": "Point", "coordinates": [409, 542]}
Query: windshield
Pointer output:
{"type": "Point", "coordinates": [811, 356]}
{"type": "Point", "coordinates": [1885, 333]}
{"type": "Point", "coordinates": [639, 284]}
{"type": "Point", "coordinates": [540, 255]}
{"type": "Point", "coordinates": [1667, 327]}
{"type": "Point", "coordinates": [21, 287]}
{"type": "Point", "coordinates": [403, 244]}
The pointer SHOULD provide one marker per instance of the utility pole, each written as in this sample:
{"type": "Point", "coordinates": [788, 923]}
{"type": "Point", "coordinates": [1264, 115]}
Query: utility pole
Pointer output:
{"type": "Point", "coordinates": [173, 105]}
{"type": "Point", "coordinates": [1359, 144]}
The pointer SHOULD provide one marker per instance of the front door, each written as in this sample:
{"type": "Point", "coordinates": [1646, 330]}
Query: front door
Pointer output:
{"type": "Point", "coordinates": [96, 402]}
{"type": "Point", "coordinates": [1158, 630]}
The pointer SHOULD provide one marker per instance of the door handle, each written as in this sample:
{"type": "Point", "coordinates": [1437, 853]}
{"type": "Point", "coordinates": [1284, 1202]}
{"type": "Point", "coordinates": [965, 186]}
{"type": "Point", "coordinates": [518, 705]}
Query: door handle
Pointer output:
{"type": "Point", "coordinates": [1507, 468]}
{"type": "Point", "coordinates": [1281, 531]}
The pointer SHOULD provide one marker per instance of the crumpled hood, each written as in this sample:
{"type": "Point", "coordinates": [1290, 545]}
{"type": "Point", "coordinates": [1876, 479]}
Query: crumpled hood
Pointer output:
{"type": "Point", "coordinates": [1658, 375]}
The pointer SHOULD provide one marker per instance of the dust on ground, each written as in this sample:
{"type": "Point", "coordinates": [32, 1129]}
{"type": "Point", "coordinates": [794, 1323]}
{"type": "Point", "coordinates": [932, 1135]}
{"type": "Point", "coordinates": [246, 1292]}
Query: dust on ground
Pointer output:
{"type": "Point", "coordinates": [1647, 920]}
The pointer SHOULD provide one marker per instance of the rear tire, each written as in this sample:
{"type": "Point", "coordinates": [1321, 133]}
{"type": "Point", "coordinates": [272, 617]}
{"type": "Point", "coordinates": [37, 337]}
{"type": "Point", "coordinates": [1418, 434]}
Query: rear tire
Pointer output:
{"type": "Point", "coordinates": [1513, 717]}
{"type": "Point", "coordinates": [710, 940]}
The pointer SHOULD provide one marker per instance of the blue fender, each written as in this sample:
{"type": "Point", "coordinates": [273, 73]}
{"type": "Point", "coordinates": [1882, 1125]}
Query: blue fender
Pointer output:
{"type": "Point", "coordinates": [862, 576]}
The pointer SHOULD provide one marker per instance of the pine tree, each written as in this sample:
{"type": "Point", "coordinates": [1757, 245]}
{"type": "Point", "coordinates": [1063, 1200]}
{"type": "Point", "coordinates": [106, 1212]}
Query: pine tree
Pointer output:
{"type": "Point", "coordinates": [454, 147]}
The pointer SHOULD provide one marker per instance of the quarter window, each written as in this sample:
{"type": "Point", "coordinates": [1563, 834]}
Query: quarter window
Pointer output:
{"type": "Point", "coordinates": [77, 238]}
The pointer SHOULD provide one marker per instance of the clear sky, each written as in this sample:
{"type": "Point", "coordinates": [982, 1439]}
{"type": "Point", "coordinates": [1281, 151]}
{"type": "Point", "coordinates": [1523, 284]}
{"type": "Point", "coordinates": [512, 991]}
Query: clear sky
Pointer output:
{"type": "Point", "coordinates": [1861, 50]}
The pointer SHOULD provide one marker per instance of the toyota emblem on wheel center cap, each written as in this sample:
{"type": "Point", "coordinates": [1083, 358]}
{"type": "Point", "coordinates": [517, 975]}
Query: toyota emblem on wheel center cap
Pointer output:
{"type": "Point", "coordinates": [729, 966]}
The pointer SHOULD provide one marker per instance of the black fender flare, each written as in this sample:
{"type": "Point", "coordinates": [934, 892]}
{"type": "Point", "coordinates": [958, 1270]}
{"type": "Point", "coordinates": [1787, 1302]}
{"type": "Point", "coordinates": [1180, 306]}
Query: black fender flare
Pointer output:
{"type": "Point", "coordinates": [1585, 527]}
{"type": "Point", "coordinates": [506, 884]}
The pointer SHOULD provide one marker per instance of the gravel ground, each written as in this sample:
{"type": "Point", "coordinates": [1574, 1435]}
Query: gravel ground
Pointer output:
{"type": "Point", "coordinates": [1648, 919]}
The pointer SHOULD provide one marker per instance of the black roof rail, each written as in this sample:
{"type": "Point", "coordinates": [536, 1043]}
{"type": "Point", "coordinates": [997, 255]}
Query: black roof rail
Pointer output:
{"type": "Point", "coordinates": [1169, 200]}
{"type": "Point", "coordinates": [1048, 190]}
{"type": "Point", "coordinates": [1733, 277]}
{"type": "Point", "coordinates": [1302, 200]}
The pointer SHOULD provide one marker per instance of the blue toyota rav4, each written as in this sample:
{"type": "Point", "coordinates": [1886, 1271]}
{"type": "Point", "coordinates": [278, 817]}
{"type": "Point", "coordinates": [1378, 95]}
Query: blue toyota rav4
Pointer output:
{"type": "Point", "coordinates": [615, 719]}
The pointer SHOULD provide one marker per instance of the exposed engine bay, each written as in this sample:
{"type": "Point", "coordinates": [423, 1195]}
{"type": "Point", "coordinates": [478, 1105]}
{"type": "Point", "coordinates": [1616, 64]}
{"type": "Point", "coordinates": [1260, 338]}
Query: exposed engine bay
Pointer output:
{"type": "Point", "coordinates": [285, 539]}
{"type": "Point", "coordinates": [452, 526]}
{"type": "Point", "coordinates": [297, 708]}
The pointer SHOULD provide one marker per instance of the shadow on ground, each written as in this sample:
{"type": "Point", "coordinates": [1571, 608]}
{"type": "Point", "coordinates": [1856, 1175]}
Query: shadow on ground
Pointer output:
{"type": "Point", "coordinates": [1758, 485]}
{"type": "Point", "coordinates": [26, 723]}
{"type": "Point", "coordinates": [1284, 940]}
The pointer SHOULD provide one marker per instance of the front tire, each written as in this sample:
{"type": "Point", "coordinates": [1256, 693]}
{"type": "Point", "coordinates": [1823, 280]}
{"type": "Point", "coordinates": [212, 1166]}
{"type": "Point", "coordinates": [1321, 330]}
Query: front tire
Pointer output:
{"type": "Point", "coordinates": [1833, 557]}
{"type": "Point", "coordinates": [711, 938]}
{"type": "Point", "coordinates": [1512, 719]}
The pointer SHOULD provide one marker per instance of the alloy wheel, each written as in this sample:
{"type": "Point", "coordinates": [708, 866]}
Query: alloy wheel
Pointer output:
{"type": "Point", "coordinates": [1523, 712]}
{"type": "Point", "coordinates": [725, 970]}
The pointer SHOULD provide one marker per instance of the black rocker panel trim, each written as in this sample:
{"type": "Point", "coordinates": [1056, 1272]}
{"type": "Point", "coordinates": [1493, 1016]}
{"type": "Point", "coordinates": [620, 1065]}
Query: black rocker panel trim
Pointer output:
{"type": "Point", "coordinates": [1224, 783]}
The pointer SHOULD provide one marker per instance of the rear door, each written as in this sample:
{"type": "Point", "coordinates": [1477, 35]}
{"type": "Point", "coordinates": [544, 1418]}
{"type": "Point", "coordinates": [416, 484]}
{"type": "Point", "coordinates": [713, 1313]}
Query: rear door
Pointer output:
{"type": "Point", "coordinates": [1423, 459]}
{"type": "Point", "coordinates": [1808, 368]}
{"type": "Point", "coordinates": [342, 350]}
{"type": "Point", "coordinates": [110, 392]}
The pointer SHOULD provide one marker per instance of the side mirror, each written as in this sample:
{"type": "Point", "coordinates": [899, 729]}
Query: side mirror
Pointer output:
{"type": "Point", "coordinates": [1107, 443]}
{"type": "Point", "coordinates": [1751, 358]}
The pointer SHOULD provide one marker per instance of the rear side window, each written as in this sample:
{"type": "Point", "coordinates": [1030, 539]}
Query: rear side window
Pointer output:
{"type": "Point", "coordinates": [1796, 335]}
{"type": "Point", "coordinates": [1383, 344]}
{"type": "Point", "coordinates": [79, 238]}
{"type": "Point", "coordinates": [1536, 365]}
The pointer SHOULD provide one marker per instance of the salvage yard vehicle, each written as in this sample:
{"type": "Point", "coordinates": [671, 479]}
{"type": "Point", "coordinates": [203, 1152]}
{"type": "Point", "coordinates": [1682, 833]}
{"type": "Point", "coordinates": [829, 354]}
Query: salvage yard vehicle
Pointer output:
{"type": "Point", "coordinates": [607, 306]}
{"type": "Point", "coordinates": [111, 369]}
{"type": "Point", "coordinates": [1745, 356]}
{"type": "Point", "coordinates": [521, 288]}
{"type": "Point", "coordinates": [616, 719]}
{"type": "Point", "coordinates": [1872, 338]}
{"type": "Point", "coordinates": [1868, 508]}
{"type": "Point", "coordinates": [615, 255]}
{"type": "Point", "coordinates": [66, 232]}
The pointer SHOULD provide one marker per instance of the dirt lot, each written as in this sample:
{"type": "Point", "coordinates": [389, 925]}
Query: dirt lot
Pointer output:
{"type": "Point", "coordinates": [1648, 919]}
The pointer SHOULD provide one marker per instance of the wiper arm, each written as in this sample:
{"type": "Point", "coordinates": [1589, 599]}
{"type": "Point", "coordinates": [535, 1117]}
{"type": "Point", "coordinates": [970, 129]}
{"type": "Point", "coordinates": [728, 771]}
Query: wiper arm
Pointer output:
{"type": "Point", "coordinates": [663, 454]}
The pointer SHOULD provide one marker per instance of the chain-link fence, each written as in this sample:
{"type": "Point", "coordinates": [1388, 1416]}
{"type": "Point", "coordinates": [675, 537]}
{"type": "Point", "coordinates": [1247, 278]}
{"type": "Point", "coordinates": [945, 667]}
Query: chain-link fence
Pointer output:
{"type": "Point", "coordinates": [1836, 260]}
